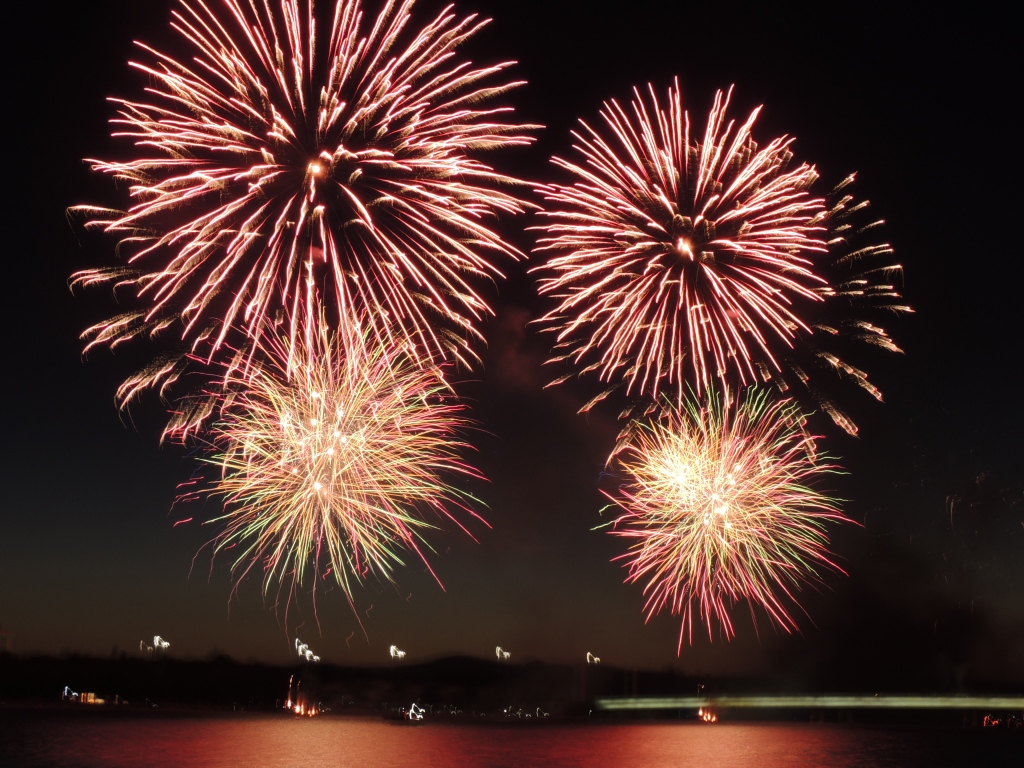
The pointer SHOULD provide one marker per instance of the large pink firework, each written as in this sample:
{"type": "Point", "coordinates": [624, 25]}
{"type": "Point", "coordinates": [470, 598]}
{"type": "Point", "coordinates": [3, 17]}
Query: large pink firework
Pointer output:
{"type": "Point", "coordinates": [286, 158]}
{"type": "Point", "coordinates": [683, 259]}
{"type": "Point", "coordinates": [719, 504]}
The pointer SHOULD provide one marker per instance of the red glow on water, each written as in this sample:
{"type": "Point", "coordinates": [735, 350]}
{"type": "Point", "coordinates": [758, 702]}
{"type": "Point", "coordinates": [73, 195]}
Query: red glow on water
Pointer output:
{"type": "Point", "coordinates": [264, 740]}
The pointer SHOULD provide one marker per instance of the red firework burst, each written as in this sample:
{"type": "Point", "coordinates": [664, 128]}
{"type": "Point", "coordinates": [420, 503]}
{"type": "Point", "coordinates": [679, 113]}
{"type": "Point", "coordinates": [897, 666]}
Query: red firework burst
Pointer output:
{"type": "Point", "coordinates": [280, 162]}
{"type": "Point", "coordinates": [685, 259]}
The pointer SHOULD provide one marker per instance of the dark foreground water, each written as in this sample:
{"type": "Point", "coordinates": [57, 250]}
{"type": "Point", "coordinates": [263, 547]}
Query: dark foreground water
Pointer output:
{"type": "Point", "coordinates": [265, 741]}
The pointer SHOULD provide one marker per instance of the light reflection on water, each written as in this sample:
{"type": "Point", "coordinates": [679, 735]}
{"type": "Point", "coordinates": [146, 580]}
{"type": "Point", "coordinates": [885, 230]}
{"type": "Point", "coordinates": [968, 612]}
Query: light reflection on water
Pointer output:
{"type": "Point", "coordinates": [274, 741]}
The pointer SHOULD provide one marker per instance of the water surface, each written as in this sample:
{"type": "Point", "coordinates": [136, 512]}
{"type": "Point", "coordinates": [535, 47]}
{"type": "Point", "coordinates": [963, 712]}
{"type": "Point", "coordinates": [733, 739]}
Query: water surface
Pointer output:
{"type": "Point", "coordinates": [65, 740]}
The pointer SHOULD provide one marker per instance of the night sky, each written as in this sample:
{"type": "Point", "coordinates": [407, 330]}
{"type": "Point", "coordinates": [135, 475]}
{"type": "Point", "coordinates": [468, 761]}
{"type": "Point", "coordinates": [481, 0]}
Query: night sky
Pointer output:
{"type": "Point", "coordinates": [918, 104]}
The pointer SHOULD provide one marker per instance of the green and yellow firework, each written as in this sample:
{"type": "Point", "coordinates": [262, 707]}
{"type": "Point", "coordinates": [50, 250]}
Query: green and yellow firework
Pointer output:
{"type": "Point", "coordinates": [337, 466]}
{"type": "Point", "coordinates": [718, 501]}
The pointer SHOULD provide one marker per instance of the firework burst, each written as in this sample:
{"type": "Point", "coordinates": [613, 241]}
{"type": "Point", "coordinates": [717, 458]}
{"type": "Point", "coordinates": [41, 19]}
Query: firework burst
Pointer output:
{"type": "Point", "coordinates": [337, 466]}
{"type": "Point", "coordinates": [688, 261]}
{"type": "Point", "coordinates": [718, 503]}
{"type": "Point", "coordinates": [286, 159]}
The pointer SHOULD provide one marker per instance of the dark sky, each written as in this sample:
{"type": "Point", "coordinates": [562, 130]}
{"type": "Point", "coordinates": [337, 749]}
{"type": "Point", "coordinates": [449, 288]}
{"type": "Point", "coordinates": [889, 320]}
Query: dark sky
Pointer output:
{"type": "Point", "coordinates": [918, 104]}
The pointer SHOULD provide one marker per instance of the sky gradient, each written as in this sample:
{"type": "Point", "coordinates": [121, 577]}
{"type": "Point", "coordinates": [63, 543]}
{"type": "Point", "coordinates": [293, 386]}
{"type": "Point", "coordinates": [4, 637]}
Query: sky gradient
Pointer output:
{"type": "Point", "coordinates": [917, 106]}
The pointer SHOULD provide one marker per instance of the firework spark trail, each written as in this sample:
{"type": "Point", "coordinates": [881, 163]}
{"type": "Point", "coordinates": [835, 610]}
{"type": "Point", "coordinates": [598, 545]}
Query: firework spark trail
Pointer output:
{"type": "Point", "coordinates": [860, 289]}
{"type": "Point", "coordinates": [305, 651]}
{"type": "Point", "coordinates": [339, 468]}
{"type": "Point", "coordinates": [687, 260]}
{"type": "Point", "coordinates": [719, 506]}
{"type": "Point", "coordinates": [278, 162]}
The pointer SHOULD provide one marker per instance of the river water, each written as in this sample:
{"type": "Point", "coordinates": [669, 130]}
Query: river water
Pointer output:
{"type": "Point", "coordinates": [65, 740]}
